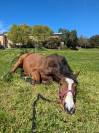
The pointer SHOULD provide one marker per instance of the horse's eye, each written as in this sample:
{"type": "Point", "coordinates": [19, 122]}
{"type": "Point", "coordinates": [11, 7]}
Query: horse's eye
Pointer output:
{"type": "Point", "coordinates": [60, 83]}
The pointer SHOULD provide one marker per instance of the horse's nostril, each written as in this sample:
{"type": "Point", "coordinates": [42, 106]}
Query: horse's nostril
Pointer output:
{"type": "Point", "coordinates": [65, 108]}
{"type": "Point", "coordinates": [70, 111]}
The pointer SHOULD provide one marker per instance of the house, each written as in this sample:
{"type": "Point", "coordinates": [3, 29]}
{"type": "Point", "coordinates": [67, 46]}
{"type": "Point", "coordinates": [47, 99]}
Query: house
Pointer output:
{"type": "Point", "coordinates": [57, 34]}
{"type": "Point", "coordinates": [6, 43]}
{"type": "Point", "coordinates": [3, 40]}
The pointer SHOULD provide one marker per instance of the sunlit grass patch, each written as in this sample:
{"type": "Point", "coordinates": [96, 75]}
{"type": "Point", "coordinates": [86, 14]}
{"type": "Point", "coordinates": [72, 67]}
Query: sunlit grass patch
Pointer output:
{"type": "Point", "coordinates": [17, 97]}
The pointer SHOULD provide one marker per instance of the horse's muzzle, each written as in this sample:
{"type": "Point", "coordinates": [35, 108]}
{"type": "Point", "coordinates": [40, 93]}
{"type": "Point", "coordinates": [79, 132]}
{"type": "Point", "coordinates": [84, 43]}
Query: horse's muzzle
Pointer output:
{"type": "Point", "coordinates": [69, 110]}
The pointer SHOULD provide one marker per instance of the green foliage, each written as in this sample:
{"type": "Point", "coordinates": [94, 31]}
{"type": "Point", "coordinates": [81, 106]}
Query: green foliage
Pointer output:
{"type": "Point", "coordinates": [27, 36]}
{"type": "Point", "coordinates": [94, 41]}
{"type": "Point", "coordinates": [35, 36]}
{"type": "Point", "coordinates": [40, 33]}
{"type": "Point", "coordinates": [69, 37]}
{"type": "Point", "coordinates": [13, 34]}
{"type": "Point", "coordinates": [83, 42]}
{"type": "Point", "coordinates": [52, 42]}
{"type": "Point", "coordinates": [16, 97]}
{"type": "Point", "coordinates": [39, 30]}
{"type": "Point", "coordinates": [19, 34]}
{"type": "Point", "coordinates": [65, 34]}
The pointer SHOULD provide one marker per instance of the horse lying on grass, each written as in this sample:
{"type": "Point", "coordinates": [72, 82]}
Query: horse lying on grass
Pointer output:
{"type": "Point", "coordinates": [43, 69]}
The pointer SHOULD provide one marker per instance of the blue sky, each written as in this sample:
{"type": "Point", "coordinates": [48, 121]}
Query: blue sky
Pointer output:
{"type": "Point", "coordinates": [82, 15]}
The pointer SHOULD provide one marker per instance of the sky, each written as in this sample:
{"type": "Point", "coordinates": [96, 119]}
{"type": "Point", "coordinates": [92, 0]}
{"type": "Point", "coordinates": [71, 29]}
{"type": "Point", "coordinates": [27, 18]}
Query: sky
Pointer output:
{"type": "Point", "coordinates": [81, 15]}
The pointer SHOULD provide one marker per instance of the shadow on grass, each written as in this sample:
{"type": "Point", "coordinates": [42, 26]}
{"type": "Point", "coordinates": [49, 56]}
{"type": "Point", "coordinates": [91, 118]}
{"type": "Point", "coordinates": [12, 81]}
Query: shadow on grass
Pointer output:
{"type": "Point", "coordinates": [39, 96]}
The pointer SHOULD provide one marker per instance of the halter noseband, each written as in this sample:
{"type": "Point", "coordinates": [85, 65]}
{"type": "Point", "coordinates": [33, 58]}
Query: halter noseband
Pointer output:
{"type": "Point", "coordinates": [63, 93]}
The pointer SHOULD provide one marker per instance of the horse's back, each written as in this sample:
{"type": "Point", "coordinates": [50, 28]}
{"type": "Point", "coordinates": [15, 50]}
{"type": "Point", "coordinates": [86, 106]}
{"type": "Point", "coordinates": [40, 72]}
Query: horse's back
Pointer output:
{"type": "Point", "coordinates": [33, 62]}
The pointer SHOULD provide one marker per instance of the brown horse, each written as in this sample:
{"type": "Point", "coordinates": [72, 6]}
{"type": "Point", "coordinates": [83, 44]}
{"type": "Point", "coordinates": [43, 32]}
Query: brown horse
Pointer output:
{"type": "Point", "coordinates": [34, 66]}
{"type": "Point", "coordinates": [53, 67]}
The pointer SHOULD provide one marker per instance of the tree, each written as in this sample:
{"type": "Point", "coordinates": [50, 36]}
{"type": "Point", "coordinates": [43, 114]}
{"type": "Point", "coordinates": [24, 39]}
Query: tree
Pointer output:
{"type": "Point", "coordinates": [20, 34]}
{"type": "Point", "coordinates": [69, 37]}
{"type": "Point", "coordinates": [41, 32]}
{"type": "Point", "coordinates": [72, 39]}
{"type": "Point", "coordinates": [94, 41]}
{"type": "Point", "coordinates": [25, 32]}
{"type": "Point", "coordinates": [83, 42]}
{"type": "Point", "coordinates": [52, 42]}
{"type": "Point", "coordinates": [65, 35]}
{"type": "Point", "coordinates": [13, 34]}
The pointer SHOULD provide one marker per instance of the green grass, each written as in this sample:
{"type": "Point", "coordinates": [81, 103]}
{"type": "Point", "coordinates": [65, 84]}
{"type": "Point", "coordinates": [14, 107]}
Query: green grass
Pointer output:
{"type": "Point", "coordinates": [17, 96]}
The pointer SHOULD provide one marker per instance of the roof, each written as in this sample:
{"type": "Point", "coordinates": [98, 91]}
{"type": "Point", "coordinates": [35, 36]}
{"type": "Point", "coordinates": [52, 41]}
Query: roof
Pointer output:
{"type": "Point", "coordinates": [57, 33]}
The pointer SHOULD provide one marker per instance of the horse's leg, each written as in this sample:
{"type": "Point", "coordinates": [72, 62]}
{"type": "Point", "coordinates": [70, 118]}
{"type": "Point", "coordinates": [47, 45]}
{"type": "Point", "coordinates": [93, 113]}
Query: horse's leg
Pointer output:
{"type": "Point", "coordinates": [46, 75]}
{"type": "Point", "coordinates": [36, 78]}
{"type": "Point", "coordinates": [46, 79]}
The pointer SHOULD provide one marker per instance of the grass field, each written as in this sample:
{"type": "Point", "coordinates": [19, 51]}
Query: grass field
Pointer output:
{"type": "Point", "coordinates": [17, 96]}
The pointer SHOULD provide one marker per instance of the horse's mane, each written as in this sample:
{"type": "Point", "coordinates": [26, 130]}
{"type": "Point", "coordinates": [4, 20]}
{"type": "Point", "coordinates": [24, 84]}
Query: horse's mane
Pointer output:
{"type": "Point", "coordinates": [65, 69]}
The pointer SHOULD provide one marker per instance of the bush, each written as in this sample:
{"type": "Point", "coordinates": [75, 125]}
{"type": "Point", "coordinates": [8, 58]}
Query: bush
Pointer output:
{"type": "Point", "coordinates": [52, 42]}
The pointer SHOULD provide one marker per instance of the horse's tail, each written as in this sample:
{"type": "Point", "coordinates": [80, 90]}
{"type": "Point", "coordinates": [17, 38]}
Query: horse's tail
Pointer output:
{"type": "Point", "coordinates": [18, 56]}
{"type": "Point", "coordinates": [19, 62]}
{"type": "Point", "coordinates": [8, 77]}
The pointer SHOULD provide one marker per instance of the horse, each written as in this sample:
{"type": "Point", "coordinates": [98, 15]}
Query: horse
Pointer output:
{"type": "Point", "coordinates": [55, 67]}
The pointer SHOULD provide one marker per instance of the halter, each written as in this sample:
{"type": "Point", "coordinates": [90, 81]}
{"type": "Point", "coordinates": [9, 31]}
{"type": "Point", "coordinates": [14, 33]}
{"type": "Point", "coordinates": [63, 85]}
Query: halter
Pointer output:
{"type": "Point", "coordinates": [63, 93]}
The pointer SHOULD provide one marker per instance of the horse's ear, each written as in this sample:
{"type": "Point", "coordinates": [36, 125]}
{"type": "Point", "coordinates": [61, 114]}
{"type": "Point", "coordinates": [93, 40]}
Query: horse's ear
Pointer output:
{"type": "Point", "coordinates": [77, 74]}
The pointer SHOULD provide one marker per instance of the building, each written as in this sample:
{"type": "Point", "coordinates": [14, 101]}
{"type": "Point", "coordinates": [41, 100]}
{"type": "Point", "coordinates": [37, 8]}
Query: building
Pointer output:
{"type": "Point", "coordinates": [57, 34]}
{"type": "Point", "coordinates": [6, 43]}
{"type": "Point", "coordinates": [3, 40]}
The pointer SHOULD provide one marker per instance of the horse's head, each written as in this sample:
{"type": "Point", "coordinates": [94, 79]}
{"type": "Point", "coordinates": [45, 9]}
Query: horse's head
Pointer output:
{"type": "Point", "coordinates": [67, 94]}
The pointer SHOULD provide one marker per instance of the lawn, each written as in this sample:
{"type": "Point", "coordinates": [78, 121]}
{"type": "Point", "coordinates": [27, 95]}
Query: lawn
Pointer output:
{"type": "Point", "coordinates": [17, 96]}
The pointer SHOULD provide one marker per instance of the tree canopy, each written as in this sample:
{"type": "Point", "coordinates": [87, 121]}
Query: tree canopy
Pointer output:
{"type": "Point", "coordinates": [83, 42]}
{"type": "Point", "coordinates": [41, 32]}
{"type": "Point", "coordinates": [19, 34]}
{"type": "Point", "coordinates": [41, 35]}
{"type": "Point", "coordinates": [94, 41]}
{"type": "Point", "coordinates": [24, 34]}
{"type": "Point", "coordinates": [69, 37]}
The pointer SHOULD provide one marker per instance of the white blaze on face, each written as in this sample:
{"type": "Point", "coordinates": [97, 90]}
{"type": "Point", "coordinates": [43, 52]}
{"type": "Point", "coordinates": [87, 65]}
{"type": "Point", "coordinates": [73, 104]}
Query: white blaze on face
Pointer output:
{"type": "Point", "coordinates": [69, 97]}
